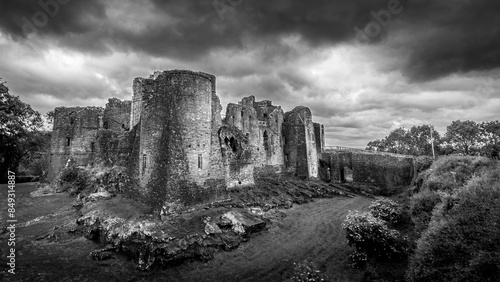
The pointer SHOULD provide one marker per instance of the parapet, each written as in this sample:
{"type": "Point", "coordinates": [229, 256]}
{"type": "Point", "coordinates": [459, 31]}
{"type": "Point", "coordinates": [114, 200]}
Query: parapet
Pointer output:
{"type": "Point", "coordinates": [77, 116]}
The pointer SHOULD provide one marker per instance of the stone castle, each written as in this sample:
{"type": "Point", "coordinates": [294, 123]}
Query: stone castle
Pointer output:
{"type": "Point", "coordinates": [172, 138]}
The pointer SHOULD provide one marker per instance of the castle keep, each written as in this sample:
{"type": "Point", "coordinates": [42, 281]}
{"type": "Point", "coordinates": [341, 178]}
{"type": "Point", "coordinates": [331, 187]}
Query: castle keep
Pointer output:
{"type": "Point", "coordinates": [173, 140]}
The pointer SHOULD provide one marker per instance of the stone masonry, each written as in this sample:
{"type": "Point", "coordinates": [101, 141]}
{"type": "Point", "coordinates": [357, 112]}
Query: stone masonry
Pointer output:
{"type": "Point", "coordinates": [175, 144]}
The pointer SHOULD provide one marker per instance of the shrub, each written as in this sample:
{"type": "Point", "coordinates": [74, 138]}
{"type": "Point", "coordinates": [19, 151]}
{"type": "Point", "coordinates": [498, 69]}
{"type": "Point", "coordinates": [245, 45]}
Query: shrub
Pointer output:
{"type": "Point", "coordinates": [386, 209]}
{"type": "Point", "coordinates": [452, 172]}
{"type": "Point", "coordinates": [358, 260]}
{"type": "Point", "coordinates": [421, 206]}
{"type": "Point", "coordinates": [462, 242]}
{"type": "Point", "coordinates": [40, 167]}
{"type": "Point", "coordinates": [423, 163]}
{"type": "Point", "coordinates": [306, 271]}
{"type": "Point", "coordinates": [74, 179]}
{"type": "Point", "coordinates": [370, 235]}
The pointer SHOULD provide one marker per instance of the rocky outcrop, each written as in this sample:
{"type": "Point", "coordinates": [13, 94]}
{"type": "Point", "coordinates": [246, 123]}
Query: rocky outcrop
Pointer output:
{"type": "Point", "coordinates": [242, 223]}
{"type": "Point", "coordinates": [151, 242]}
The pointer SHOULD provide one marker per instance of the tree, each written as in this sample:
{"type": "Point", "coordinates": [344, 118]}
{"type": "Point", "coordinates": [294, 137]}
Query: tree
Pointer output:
{"type": "Point", "coordinates": [49, 118]}
{"type": "Point", "coordinates": [490, 136]}
{"type": "Point", "coordinates": [19, 136]}
{"type": "Point", "coordinates": [464, 136]}
{"type": "Point", "coordinates": [376, 145]}
{"type": "Point", "coordinates": [422, 142]}
{"type": "Point", "coordinates": [416, 141]}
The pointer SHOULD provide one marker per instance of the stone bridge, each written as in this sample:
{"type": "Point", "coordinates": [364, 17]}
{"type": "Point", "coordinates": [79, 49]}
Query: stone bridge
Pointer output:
{"type": "Point", "coordinates": [384, 170]}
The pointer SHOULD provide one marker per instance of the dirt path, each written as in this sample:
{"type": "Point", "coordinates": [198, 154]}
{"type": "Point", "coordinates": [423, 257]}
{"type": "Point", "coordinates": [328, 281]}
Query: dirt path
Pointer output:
{"type": "Point", "coordinates": [310, 231]}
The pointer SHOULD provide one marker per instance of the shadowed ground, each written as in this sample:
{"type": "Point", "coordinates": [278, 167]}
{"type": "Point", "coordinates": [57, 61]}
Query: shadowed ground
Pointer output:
{"type": "Point", "coordinates": [307, 232]}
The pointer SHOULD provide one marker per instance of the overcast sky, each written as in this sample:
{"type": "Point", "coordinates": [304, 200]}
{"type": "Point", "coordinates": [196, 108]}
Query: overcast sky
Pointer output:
{"type": "Point", "coordinates": [422, 62]}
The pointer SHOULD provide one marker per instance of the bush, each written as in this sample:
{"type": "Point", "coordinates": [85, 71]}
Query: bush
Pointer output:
{"type": "Point", "coordinates": [40, 167]}
{"type": "Point", "coordinates": [358, 260]}
{"type": "Point", "coordinates": [386, 209]}
{"type": "Point", "coordinates": [306, 271]}
{"type": "Point", "coordinates": [452, 172]}
{"type": "Point", "coordinates": [462, 242]}
{"type": "Point", "coordinates": [370, 235]}
{"type": "Point", "coordinates": [74, 179]}
{"type": "Point", "coordinates": [421, 206]}
{"type": "Point", "coordinates": [423, 163]}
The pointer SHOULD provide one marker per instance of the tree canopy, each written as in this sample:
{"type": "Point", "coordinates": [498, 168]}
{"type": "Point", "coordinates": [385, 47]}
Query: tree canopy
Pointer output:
{"type": "Point", "coordinates": [415, 141]}
{"type": "Point", "coordinates": [462, 137]}
{"type": "Point", "coordinates": [19, 130]}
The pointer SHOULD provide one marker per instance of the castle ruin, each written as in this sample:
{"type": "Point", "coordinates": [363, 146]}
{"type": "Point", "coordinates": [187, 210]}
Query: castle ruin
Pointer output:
{"type": "Point", "coordinates": [177, 147]}
{"type": "Point", "coordinates": [172, 138]}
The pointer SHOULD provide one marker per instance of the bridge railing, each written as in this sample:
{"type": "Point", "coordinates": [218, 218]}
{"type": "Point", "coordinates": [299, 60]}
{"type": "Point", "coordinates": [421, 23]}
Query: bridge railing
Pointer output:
{"type": "Point", "coordinates": [342, 148]}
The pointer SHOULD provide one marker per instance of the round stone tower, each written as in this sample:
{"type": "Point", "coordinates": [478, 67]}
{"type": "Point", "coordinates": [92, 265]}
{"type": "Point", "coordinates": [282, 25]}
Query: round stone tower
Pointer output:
{"type": "Point", "coordinates": [176, 127]}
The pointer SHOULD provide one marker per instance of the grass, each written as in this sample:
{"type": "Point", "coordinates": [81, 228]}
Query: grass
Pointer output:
{"type": "Point", "coordinates": [304, 232]}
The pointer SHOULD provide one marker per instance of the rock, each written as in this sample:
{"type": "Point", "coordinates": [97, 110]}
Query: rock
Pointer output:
{"type": "Point", "coordinates": [101, 255]}
{"type": "Point", "coordinates": [212, 228]}
{"type": "Point", "coordinates": [288, 204]}
{"type": "Point", "coordinates": [256, 210]}
{"type": "Point", "coordinates": [98, 196]}
{"type": "Point", "coordinates": [230, 241]}
{"type": "Point", "coordinates": [242, 222]}
{"type": "Point", "coordinates": [77, 205]}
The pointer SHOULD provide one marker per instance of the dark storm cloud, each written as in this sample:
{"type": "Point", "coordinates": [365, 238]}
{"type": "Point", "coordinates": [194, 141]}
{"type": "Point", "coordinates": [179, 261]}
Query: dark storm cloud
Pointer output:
{"type": "Point", "coordinates": [68, 16]}
{"type": "Point", "coordinates": [200, 30]}
{"type": "Point", "coordinates": [451, 36]}
{"type": "Point", "coordinates": [197, 28]}
{"type": "Point", "coordinates": [442, 37]}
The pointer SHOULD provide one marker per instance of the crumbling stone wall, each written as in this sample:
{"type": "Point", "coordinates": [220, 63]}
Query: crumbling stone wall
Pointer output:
{"type": "Point", "coordinates": [117, 115]}
{"type": "Point", "coordinates": [74, 136]}
{"type": "Point", "coordinates": [387, 171]}
{"type": "Point", "coordinates": [319, 134]}
{"type": "Point", "coordinates": [237, 157]}
{"type": "Point", "coordinates": [270, 119]}
{"type": "Point", "coordinates": [175, 145]}
{"type": "Point", "coordinates": [300, 143]}
{"type": "Point", "coordinates": [261, 122]}
{"type": "Point", "coordinates": [138, 88]}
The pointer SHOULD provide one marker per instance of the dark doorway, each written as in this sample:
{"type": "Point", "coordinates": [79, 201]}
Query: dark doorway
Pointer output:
{"type": "Point", "coordinates": [234, 144]}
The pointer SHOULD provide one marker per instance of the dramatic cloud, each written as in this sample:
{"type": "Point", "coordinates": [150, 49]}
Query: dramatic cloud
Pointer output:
{"type": "Point", "coordinates": [425, 62]}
